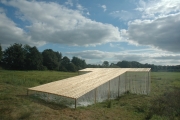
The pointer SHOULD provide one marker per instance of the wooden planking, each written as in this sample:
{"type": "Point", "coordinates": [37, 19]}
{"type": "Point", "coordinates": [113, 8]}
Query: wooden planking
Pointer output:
{"type": "Point", "coordinates": [77, 86]}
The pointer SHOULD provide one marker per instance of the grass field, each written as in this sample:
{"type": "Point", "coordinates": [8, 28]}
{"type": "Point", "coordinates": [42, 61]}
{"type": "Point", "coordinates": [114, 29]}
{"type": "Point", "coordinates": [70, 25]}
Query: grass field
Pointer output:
{"type": "Point", "coordinates": [162, 103]}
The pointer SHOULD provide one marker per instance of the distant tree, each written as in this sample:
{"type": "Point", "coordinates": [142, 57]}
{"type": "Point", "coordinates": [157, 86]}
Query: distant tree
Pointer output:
{"type": "Point", "coordinates": [124, 64]}
{"type": "Point", "coordinates": [14, 57]}
{"type": "Point", "coordinates": [79, 63]}
{"type": "Point", "coordinates": [65, 61]}
{"type": "Point", "coordinates": [112, 65]}
{"type": "Point", "coordinates": [71, 67]}
{"type": "Point", "coordinates": [67, 65]}
{"type": "Point", "coordinates": [34, 59]}
{"type": "Point", "coordinates": [105, 64]}
{"type": "Point", "coordinates": [1, 52]}
{"type": "Point", "coordinates": [50, 59]}
{"type": "Point", "coordinates": [64, 65]}
{"type": "Point", "coordinates": [59, 56]}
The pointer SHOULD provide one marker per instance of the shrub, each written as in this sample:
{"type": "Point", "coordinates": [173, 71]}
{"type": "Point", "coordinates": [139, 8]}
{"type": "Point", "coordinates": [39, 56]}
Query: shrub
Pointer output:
{"type": "Point", "coordinates": [166, 105]}
{"type": "Point", "coordinates": [109, 104]}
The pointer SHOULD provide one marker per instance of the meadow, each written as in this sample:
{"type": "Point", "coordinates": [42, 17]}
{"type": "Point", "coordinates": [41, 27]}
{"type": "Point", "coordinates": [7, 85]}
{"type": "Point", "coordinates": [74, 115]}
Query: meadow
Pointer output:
{"type": "Point", "coordinates": [162, 103]}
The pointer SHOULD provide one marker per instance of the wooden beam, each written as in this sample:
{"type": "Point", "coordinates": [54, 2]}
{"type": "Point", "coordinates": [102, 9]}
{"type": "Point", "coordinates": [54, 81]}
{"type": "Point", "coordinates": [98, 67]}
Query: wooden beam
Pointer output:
{"type": "Point", "coordinates": [129, 80]}
{"type": "Point", "coordinates": [149, 80]}
{"type": "Point", "coordinates": [95, 93]}
{"type": "Point", "coordinates": [75, 103]}
{"type": "Point", "coordinates": [109, 91]}
{"type": "Point", "coordinates": [48, 96]}
{"type": "Point", "coordinates": [134, 85]}
{"type": "Point", "coordinates": [119, 85]}
{"type": "Point", "coordinates": [125, 81]}
{"type": "Point", "coordinates": [148, 84]}
{"type": "Point", "coordinates": [27, 92]}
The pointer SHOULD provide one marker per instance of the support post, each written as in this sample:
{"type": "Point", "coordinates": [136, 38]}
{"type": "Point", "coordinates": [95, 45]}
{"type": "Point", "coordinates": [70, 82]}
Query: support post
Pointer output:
{"type": "Point", "coordinates": [134, 84]}
{"type": "Point", "coordinates": [95, 92]}
{"type": "Point", "coordinates": [75, 103]}
{"type": "Point", "coordinates": [48, 96]}
{"type": "Point", "coordinates": [148, 85]}
{"type": "Point", "coordinates": [129, 80]}
{"type": "Point", "coordinates": [119, 86]}
{"type": "Point", "coordinates": [149, 81]}
{"type": "Point", "coordinates": [125, 81]}
{"type": "Point", "coordinates": [109, 91]}
{"type": "Point", "coordinates": [27, 92]}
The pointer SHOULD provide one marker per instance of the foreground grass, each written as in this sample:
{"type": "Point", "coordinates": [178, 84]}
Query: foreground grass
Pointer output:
{"type": "Point", "coordinates": [14, 104]}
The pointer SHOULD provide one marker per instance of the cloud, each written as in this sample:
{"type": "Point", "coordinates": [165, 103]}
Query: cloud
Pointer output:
{"type": "Point", "coordinates": [90, 54]}
{"type": "Point", "coordinates": [88, 13]}
{"type": "Point", "coordinates": [158, 7]}
{"type": "Point", "coordinates": [54, 23]}
{"type": "Point", "coordinates": [168, 57]}
{"type": "Point", "coordinates": [116, 45]}
{"type": "Point", "coordinates": [104, 7]}
{"type": "Point", "coordinates": [143, 57]}
{"type": "Point", "coordinates": [123, 15]}
{"type": "Point", "coordinates": [80, 7]}
{"type": "Point", "coordinates": [69, 2]}
{"type": "Point", "coordinates": [162, 33]}
{"type": "Point", "coordinates": [2, 10]}
{"type": "Point", "coordinates": [10, 33]}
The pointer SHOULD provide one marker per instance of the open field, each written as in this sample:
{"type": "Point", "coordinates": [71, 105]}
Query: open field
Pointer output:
{"type": "Point", "coordinates": [161, 104]}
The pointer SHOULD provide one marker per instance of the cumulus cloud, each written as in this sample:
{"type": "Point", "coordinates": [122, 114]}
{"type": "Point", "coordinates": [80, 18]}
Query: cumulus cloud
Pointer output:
{"type": "Point", "coordinates": [104, 7]}
{"type": "Point", "coordinates": [51, 22]}
{"type": "Point", "coordinates": [158, 7]}
{"type": "Point", "coordinates": [123, 15]}
{"type": "Point", "coordinates": [162, 33]}
{"type": "Point", "coordinates": [90, 54]}
{"type": "Point", "coordinates": [159, 25]}
{"type": "Point", "coordinates": [1, 10]}
{"type": "Point", "coordinates": [69, 2]}
{"type": "Point", "coordinates": [80, 7]}
{"type": "Point", "coordinates": [10, 33]}
{"type": "Point", "coordinates": [152, 58]}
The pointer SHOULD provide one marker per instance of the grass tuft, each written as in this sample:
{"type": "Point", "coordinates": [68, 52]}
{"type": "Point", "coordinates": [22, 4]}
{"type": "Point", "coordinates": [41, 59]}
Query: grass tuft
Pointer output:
{"type": "Point", "coordinates": [109, 104]}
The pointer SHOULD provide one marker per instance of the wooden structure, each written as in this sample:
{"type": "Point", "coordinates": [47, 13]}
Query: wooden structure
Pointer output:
{"type": "Point", "coordinates": [95, 83]}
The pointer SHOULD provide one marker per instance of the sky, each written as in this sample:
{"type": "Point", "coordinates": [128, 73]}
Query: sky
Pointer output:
{"type": "Point", "coordinates": [147, 31]}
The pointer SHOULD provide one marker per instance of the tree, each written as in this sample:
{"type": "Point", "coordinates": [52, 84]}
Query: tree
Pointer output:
{"type": "Point", "coordinates": [64, 65]}
{"type": "Point", "coordinates": [65, 61]}
{"type": "Point", "coordinates": [105, 64]}
{"type": "Point", "coordinates": [112, 65]}
{"type": "Point", "coordinates": [59, 56]}
{"type": "Point", "coordinates": [50, 59]}
{"type": "Point", "coordinates": [14, 57]}
{"type": "Point", "coordinates": [79, 63]}
{"type": "Point", "coordinates": [1, 52]}
{"type": "Point", "coordinates": [67, 65]}
{"type": "Point", "coordinates": [71, 67]}
{"type": "Point", "coordinates": [34, 60]}
{"type": "Point", "coordinates": [124, 64]}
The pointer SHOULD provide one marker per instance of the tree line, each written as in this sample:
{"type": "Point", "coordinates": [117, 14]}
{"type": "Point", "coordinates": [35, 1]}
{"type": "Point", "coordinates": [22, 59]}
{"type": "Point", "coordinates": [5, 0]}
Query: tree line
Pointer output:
{"type": "Point", "coordinates": [25, 57]}
{"type": "Point", "coordinates": [135, 64]}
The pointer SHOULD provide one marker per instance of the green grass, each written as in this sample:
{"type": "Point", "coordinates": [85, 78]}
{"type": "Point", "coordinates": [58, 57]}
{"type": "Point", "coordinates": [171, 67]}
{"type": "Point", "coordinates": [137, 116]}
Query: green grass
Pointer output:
{"type": "Point", "coordinates": [15, 104]}
{"type": "Point", "coordinates": [32, 78]}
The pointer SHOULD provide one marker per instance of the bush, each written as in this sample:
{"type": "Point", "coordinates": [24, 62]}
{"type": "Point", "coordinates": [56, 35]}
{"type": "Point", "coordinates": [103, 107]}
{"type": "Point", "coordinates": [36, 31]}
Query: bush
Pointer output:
{"type": "Point", "coordinates": [109, 104]}
{"type": "Point", "coordinates": [166, 105]}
